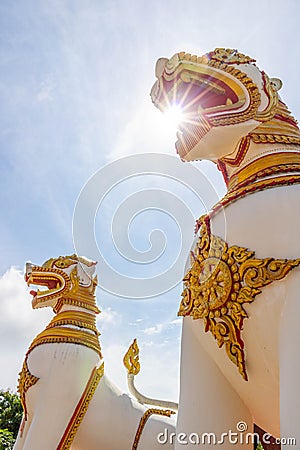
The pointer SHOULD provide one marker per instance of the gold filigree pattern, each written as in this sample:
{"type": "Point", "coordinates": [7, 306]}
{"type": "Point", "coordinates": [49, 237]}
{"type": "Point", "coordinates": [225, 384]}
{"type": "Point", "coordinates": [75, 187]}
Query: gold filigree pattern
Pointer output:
{"type": "Point", "coordinates": [230, 56]}
{"type": "Point", "coordinates": [86, 303]}
{"type": "Point", "coordinates": [282, 129]}
{"type": "Point", "coordinates": [270, 111]}
{"type": "Point", "coordinates": [247, 189]}
{"type": "Point", "coordinates": [81, 409]}
{"type": "Point", "coordinates": [131, 359]}
{"type": "Point", "coordinates": [67, 335]}
{"type": "Point", "coordinates": [265, 166]}
{"type": "Point", "coordinates": [145, 417]}
{"type": "Point", "coordinates": [221, 280]}
{"type": "Point", "coordinates": [63, 262]}
{"type": "Point", "coordinates": [76, 318]}
{"type": "Point", "coordinates": [274, 139]}
{"type": "Point", "coordinates": [25, 381]}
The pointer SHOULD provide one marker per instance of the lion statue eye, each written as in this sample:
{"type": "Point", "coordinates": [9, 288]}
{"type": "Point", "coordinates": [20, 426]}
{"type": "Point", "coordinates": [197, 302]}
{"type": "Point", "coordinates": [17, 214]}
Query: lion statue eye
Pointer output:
{"type": "Point", "coordinates": [64, 263]}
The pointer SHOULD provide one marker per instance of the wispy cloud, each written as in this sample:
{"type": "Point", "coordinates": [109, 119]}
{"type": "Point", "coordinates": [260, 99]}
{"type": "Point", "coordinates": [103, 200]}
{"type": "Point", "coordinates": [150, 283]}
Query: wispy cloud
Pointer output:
{"type": "Point", "coordinates": [19, 324]}
{"type": "Point", "coordinates": [108, 318]}
{"type": "Point", "coordinates": [159, 327]}
{"type": "Point", "coordinates": [46, 90]}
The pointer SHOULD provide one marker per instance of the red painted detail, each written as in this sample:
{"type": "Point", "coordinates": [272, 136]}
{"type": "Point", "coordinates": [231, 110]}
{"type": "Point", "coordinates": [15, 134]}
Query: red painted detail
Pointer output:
{"type": "Point", "coordinates": [289, 120]}
{"type": "Point", "coordinates": [222, 167]}
{"type": "Point", "coordinates": [241, 153]}
{"type": "Point", "coordinates": [76, 413]}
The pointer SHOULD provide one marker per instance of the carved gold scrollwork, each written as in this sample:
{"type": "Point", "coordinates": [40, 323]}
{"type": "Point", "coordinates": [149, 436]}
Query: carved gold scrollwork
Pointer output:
{"type": "Point", "coordinates": [221, 280]}
{"type": "Point", "coordinates": [69, 335]}
{"type": "Point", "coordinates": [144, 419]}
{"type": "Point", "coordinates": [230, 56]}
{"type": "Point", "coordinates": [26, 380]}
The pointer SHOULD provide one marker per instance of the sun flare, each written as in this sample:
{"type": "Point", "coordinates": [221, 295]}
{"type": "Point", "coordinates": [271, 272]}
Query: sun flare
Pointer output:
{"type": "Point", "coordinates": [173, 116]}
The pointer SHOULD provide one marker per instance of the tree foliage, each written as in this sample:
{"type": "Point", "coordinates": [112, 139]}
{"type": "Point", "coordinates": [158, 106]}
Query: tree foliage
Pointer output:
{"type": "Point", "coordinates": [10, 412]}
{"type": "Point", "coordinates": [7, 440]}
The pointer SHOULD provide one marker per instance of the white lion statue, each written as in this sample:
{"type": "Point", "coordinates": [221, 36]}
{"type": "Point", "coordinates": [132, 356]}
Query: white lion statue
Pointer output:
{"type": "Point", "coordinates": [240, 302]}
{"type": "Point", "coordinates": [68, 402]}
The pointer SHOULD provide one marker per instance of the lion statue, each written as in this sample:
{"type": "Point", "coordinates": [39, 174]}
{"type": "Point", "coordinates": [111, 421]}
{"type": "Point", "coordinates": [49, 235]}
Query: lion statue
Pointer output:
{"type": "Point", "coordinates": [240, 301]}
{"type": "Point", "coordinates": [68, 402]}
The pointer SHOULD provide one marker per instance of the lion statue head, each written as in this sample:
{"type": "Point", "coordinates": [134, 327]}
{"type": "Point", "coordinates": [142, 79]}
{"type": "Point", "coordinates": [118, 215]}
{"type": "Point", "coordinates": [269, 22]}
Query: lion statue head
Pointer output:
{"type": "Point", "coordinates": [224, 97]}
{"type": "Point", "coordinates": [66, 279]}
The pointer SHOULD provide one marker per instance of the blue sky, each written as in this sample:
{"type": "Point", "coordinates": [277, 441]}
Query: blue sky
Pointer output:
{"type": "Point", "coordinates": [75, 78]}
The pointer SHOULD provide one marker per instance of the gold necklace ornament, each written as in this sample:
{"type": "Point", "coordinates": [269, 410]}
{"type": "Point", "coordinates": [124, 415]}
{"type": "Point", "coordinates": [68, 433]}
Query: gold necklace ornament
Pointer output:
{"type": "Point", "coordinates": [143, 421]}
{"type": "Point", "coordinates": [220, 282]}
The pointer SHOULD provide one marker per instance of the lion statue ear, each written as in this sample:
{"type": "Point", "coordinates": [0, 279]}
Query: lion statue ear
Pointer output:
{"type": "Point", "coordinates": [276, 83]}
{"type": "Point", "coordinates": [160, 65]}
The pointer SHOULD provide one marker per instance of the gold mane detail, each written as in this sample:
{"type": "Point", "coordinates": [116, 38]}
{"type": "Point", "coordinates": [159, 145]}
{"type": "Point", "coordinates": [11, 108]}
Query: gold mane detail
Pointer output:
{"type": "Point", "coordinates": [230, 56]}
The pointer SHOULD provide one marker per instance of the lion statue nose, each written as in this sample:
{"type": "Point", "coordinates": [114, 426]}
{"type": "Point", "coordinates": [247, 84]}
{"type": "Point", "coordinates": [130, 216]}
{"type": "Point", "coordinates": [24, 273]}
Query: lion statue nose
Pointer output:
{"type": "Point", "coordinates": [28, 270]}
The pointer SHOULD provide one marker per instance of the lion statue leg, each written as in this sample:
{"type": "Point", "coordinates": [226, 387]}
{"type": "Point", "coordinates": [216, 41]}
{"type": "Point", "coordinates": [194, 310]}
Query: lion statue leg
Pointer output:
{"type": "Point", "coordinates": [63, 375]}
{"type": "Point", "coordinates": [204, 388]}
{"type": "Point", "coordinates": [113, 419]}
{"type": "Point", "coordinates": [289, 364]}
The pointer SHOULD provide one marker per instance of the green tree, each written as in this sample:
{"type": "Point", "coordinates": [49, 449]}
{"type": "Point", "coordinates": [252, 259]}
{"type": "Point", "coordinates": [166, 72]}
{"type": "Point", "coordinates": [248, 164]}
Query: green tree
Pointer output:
{"type": "Point", "coordinates": [7, 440]}
{"type": "Point", "coordinates": [10, 412]}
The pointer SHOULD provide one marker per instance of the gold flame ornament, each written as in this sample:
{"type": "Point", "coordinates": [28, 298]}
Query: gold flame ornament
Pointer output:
{"type": "Point", "coordinates": [131, 359]}
{"type": "Point", "coordinates": [221, 280]}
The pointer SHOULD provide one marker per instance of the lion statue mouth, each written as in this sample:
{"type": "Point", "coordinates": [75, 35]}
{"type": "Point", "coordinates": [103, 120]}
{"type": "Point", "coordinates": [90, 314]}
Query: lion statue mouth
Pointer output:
{"type": "Point", "coordinates": [222, 88]}
{"type": "Point", "coordinates": [55, 282]}
{"type": "Point", "coordinates": [62, 279]}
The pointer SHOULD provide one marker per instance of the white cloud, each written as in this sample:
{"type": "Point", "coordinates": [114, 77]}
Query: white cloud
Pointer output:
{"type": "Point", "coordinates": [19, 324]}
{"type": "Point", "coordinates": [159, 327]}
{"type": "Point", "coordinates": [159, 375]}
{"type": "Point", "coordinates": [46, 90]}
{"type": "Point", "coordinates": [176, 322]}
{"type": "Point", "coordinates": [108, 318]}
{"type": "Point", "coordinates": [113, 359]}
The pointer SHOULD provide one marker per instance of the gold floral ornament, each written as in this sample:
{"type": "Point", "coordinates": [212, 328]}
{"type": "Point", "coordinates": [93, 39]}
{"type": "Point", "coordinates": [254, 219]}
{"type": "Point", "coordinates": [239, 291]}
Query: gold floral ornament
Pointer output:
{"type": "Point", "coordinates": [25, 381]}
{"type": "Point", "coordinates": [230, 56]}
{"type": "Point", "coordinates": [221, 280]}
